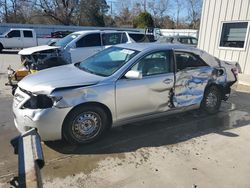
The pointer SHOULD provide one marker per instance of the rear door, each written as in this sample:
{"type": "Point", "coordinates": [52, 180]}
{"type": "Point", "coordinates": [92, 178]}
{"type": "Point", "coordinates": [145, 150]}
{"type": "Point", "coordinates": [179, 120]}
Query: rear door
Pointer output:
{"type": "Point", "coordinates": [86, 46]}
{"type": "Point", "coordinates": [28, 39]}
{"type": "Point", "coordinates": [192, 76]}
{"type": "Point", "coordinates": [151, 93]}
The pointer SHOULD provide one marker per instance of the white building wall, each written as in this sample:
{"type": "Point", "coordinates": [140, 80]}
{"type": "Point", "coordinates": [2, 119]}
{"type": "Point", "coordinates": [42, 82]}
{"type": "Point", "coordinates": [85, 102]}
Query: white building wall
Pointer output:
{"type": "Point", "coordinates": [214, 13]}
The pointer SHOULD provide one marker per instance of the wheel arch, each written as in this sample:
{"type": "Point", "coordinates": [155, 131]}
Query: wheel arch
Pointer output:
{"type": "Point", "coordinates": [95, 104]}
{"type": "Point", "coordinates": [220, 87]}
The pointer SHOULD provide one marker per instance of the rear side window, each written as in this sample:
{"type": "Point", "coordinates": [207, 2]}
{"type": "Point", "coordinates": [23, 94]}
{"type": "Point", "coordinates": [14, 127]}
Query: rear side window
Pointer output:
{"type": "Point", "coordinates": [185, 41]}
{"type": "Point", "coordinates": [27, 34]}
{"type": "Point", "coordinates": [138, 37]}
{"type": "Point", "coordinates": [14, 33]}
{"type": "Point", "coordinates": [187, 60]}
{"type": "Point", "coordinates": [111, 38]}
{"type": "Point", "coordinates": [89, 40]}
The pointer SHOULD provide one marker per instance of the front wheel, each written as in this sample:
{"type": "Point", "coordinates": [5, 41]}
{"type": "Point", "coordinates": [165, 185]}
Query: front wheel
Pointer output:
{"type": "Point", "coordinates": [84, 124]}
{"type": "Point", "coordinates": [212, 100]}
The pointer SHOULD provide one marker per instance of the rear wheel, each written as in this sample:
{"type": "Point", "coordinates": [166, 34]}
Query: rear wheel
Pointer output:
{"type": "Point", "coordinates": [212, 100]}
{"type": "Point", "coordinates": [85, 124]}
{"type": "Point", "coordinates": [1, 47]}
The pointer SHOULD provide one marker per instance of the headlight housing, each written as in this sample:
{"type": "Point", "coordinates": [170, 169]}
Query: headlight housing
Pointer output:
{"type": "Point", "coordinates": [39, 102]}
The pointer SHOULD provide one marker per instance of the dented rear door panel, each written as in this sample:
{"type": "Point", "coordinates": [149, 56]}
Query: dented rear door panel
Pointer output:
{"type": "Point", "coordinates": [190, 85]}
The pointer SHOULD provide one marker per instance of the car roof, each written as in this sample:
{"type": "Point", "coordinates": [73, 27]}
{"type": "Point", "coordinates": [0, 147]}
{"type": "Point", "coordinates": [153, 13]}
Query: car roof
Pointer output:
{"type": "Point", "coordinates": [21, 29]}
{"type": "Point", "coordinates": [155, 46]}
{"type": "Point", "coordinates": [96, 31]}
{"type": "Point", "coordinates": [211, 60]}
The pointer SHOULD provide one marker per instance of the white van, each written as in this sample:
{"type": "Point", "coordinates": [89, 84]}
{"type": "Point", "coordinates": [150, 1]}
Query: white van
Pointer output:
{"type": "Point", "coordinates": [77, 46]}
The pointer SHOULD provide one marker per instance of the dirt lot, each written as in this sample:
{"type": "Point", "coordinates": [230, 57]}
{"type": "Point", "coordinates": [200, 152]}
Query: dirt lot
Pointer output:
{"type": "Point", "coordinates": [185, 150]}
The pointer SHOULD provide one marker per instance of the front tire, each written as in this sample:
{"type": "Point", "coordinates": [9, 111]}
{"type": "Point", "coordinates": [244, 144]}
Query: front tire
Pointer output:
{"type": "Point", "coordinates": [85, 124]}
{"type": "Point", "coordinates": [212, 100]}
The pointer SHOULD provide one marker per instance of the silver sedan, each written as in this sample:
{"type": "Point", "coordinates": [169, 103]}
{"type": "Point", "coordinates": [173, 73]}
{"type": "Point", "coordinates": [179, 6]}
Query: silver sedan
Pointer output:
{"type": "Point", "coordinates": [120, 85]}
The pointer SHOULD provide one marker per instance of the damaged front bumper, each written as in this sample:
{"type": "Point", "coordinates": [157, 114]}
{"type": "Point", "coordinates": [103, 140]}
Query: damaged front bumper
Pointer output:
{"type": "Point", "coordinates": [48, 121]}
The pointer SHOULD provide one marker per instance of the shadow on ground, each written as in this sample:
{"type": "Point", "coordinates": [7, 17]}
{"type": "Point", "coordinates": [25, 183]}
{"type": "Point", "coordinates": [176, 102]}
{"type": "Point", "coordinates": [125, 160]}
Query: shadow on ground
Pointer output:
{"type": "Point", "coordinates": [165, 131]}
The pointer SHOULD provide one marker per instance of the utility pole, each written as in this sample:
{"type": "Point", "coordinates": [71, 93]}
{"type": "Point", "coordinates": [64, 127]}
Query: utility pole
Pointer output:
{"type": "Point", "coordinates": [145, 5]}
{"type": "Point", "coordinates": [111, 7]}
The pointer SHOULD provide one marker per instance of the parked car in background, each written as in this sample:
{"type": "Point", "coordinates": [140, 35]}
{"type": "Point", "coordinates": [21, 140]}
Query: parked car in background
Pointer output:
{"type": "Point", "coordinates": [120, 85]}
{"type": "Point", "coordinates": [20, 38]}
{"type": "Point", "coordinates": [187, 40]}
{"type": "Point", "coordinates": [76, 46]}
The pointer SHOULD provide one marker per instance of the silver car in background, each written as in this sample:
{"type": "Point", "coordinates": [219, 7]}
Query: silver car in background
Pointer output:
{"type": "Point", "coordinates": [119, 85]}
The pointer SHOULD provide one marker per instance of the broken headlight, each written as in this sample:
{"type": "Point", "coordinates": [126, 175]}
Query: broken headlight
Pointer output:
{"type": "Point", "coordinates": [40, 102]}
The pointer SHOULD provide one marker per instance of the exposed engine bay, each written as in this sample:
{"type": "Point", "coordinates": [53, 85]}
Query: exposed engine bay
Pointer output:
{"type": "Point", "coordinates": [33, 61]}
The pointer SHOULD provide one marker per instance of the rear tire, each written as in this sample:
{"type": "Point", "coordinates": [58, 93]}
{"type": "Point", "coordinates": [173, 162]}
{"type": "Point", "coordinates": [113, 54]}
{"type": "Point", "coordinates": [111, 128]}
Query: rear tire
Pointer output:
{"type": "Point", "coordinates": [212, 100]}
{"type": "Point", "coordinates": [84, 124]}
{"type": "Point", "coordinates": [1, 48]}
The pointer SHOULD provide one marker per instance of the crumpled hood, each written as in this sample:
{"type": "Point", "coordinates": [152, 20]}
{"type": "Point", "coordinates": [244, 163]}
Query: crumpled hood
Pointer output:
{"type": "Point", "coordinates": [45, 81]}
{"type": "Point", "coordinates": [29, 51]}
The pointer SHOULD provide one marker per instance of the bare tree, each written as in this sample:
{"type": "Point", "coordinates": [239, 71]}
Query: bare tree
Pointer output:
{"type": "Point", "coordinates": [60, 10]}
{"type": "Point", "coordinates": [159, 10]}
{"type": "Point", "coordinates": [92, 12]}
{"type": "Point", "coordinates": [194, 12]}
{"type": "Point", "coordinates": [179, 6]}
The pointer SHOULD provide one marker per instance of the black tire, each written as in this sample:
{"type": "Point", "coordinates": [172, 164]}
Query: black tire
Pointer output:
{"type": "Point", "coordinates": [80, 119]}
{"type": "Point", "coordinates": [1, 48]}
{"type": "Point", "coordinates": [212, 100]}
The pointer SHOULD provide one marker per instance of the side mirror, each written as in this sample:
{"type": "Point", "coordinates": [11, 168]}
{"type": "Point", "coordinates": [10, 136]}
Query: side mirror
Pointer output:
{"type": "Point", "coordinates": [133, 74]}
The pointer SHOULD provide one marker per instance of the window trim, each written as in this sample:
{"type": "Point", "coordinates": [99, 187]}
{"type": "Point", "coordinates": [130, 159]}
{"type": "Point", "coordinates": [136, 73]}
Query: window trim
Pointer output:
{"type": "Point", "coordinates": [233, 48]}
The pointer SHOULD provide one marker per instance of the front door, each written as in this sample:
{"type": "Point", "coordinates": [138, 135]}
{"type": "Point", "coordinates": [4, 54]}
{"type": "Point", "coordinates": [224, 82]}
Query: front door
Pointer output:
{"type": "Point", "coordinates": [85, 47]}
{"type": "Point", "coordinates": [149, 94]}
{"type": "Point", "coordinates": [14, 39]}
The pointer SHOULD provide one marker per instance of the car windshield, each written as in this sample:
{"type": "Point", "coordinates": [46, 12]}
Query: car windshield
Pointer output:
{"type": "Point", "coordinates": [108, 61]}
{"type": "Point", "coordinates": [64, 41]}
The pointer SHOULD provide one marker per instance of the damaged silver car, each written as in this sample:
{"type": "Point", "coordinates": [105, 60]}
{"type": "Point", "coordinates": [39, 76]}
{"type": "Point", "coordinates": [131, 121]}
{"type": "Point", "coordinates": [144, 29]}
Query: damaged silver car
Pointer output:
{"type": "Point", "coordinates": [121, 84]}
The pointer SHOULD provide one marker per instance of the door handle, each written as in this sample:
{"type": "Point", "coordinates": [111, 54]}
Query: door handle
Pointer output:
{"type": "Point", "coordinates": [168, 81]}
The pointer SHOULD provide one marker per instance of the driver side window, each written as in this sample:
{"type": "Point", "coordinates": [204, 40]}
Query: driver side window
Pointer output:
{"type": "Point", "coordinates": [154, 64]}
{"type": "Point", "coordinates": [14, 33]}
